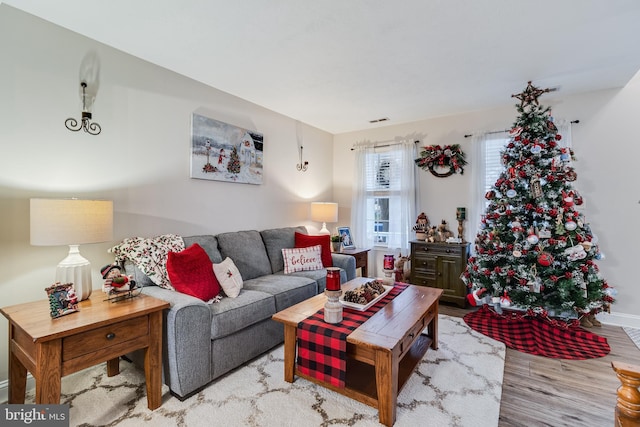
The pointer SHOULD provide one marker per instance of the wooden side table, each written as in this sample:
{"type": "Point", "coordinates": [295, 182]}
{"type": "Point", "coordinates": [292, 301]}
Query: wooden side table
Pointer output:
{"type": "Point", "coordinates": [362, 258]}
{"type": "Point", "coordinates": [101, 331]}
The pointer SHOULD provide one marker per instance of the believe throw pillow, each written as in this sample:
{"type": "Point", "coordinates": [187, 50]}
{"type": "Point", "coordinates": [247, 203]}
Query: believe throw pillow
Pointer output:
{"type": "Point", "coordinates": [302, 259]}
{"type": "Point", "coordinates": [304, 241]}
{"type": "Point", "coordinates": [190, 273]}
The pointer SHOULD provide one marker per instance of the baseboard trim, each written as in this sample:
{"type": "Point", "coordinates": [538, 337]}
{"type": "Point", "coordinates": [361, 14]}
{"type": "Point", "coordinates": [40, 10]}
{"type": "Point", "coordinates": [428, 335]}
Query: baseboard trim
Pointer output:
{"type": "Point", "coordinates": [4, 388]}
{"type": "Point", "coordinates": [620, 319]}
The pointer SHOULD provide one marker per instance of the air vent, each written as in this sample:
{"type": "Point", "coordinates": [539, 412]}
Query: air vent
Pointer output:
{"type": "Point", "coordinates": [384, 119]}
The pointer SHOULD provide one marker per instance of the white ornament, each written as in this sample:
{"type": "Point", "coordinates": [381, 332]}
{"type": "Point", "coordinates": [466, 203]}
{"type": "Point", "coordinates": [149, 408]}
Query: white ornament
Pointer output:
{"type": "Point", "coordinates": [570, 225]}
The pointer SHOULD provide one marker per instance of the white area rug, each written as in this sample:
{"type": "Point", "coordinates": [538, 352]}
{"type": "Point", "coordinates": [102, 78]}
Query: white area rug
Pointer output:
{"type": "Point", "coordinates": [460, 384]}
{"type": "Point", "coordinates": [634, 334]}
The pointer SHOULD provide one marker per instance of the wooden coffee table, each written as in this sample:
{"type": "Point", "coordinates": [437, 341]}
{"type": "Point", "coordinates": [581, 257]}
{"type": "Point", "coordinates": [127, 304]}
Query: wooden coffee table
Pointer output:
{"type": "Point", "coordinates": [382, 353]}
{"type": "Point", "coordinates": [100, 332]}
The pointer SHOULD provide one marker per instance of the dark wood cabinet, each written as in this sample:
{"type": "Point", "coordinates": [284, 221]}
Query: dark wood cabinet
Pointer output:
{"type": "Point", "coordinates": [439, 265]}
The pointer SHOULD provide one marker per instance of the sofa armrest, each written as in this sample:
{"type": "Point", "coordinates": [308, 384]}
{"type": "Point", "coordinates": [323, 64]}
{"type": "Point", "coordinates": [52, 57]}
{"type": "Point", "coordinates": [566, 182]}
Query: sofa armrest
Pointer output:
{"type": "Point", "coordinates": [345, 262]}
{"type": "Point", "coordinates": [186, 341]}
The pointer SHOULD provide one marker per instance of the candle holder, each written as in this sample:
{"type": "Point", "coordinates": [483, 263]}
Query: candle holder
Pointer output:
{"type": "Point", "coordinates": [333, 307]}
{"type": "Point", "coordinates": [461, 215]}
{"type": "Point", "coordinates": [460, 230]}
{"type": "Point", "coordinates": [333, 279]}
{"type": "Point", "coordinates": [388, 276]}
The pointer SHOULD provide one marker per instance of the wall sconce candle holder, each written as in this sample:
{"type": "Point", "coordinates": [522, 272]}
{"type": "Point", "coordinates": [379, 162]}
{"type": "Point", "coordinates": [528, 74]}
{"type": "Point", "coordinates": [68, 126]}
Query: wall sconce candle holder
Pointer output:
{"type": "Point", "coordinates": [302, 166]}
{"type": "Point", "coordinates": [85, 123]}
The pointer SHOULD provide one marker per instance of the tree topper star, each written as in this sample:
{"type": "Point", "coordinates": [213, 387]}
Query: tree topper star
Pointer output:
{"type": "Point", "coordinates": [530, 95]}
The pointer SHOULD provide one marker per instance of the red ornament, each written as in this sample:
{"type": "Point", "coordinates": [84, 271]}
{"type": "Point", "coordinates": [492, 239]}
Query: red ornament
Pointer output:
{"type": "Point", "coordinates": [545, 259]}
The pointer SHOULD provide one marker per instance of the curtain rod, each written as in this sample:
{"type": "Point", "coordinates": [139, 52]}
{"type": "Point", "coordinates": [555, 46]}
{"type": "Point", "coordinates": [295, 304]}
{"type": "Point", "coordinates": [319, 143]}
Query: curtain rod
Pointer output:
{"type": "Point", "coordinates": [388, 145]}
{"type": "Point", "coordinates": [507, 130]}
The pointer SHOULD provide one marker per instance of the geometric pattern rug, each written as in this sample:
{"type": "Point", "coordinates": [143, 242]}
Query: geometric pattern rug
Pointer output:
{"type": "Point", "coordinates": [460, 384]}
{"type": "Point", "coordinates": [634, 334]}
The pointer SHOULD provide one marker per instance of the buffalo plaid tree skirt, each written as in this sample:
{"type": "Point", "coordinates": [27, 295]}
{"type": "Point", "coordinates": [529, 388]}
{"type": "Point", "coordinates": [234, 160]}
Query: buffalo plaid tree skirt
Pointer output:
{"type": "Point", "coordinates": [535, 335]}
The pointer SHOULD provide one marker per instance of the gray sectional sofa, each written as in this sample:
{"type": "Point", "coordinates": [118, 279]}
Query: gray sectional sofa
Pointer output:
{"type": "Point", "coordinates": [203, 341]}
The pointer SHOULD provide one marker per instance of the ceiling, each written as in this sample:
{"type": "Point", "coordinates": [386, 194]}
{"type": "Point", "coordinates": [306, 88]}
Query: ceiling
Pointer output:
{"type": "Point", "coordinates": [338, 64]}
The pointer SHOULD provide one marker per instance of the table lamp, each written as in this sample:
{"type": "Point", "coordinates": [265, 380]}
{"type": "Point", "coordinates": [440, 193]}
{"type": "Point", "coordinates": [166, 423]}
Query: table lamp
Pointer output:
{"type": "Point", "coordinates": [71, 222]}
{"type": "Point", "coordinates": [324, 212]}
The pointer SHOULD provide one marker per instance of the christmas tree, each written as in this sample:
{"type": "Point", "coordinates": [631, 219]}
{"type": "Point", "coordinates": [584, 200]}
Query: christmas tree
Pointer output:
{"type": "Point", "coordinates": [234, 161]}
{"type": "Point", "coordinates": [534, 250]}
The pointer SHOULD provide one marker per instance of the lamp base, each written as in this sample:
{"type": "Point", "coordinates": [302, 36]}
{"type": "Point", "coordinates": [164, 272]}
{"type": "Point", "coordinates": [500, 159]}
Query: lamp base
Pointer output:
{"type": "Point", "coordinates": [76, 269]}
{"type": "Point", "coordinates": [324, 230]}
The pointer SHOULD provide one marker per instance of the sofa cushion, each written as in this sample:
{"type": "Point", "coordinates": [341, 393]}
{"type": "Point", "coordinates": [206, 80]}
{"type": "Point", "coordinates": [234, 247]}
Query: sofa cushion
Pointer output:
{"type": "Point", "coordinates": [209, 243]}
{"type": "Point", "coordinates": [231, 315]}
{"type": "Point", "coordinates": [305, 240]}
{"type": "Point", "coordinates": [229, 277]}
{"type": "Point", "coordinates": [277, 239]}
{"type": "Point", "coordinates": [247, 251]}
{"type": "Point", "coordinates": [320, 276]}
{"type": "Point", "coordinates": [190, 272]}
{"type": "Point", "coordinates": [287, 290]}
{"type": "Point", "coordinates": [302, 259]}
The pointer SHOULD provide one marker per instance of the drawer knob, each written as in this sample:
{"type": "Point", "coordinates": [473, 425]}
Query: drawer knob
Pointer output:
{"type": "Point", "coordinates": [110, 336]}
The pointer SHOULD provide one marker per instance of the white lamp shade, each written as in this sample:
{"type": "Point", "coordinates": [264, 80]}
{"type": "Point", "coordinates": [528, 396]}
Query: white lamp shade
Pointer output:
{"type": "Point", "coordinates": [70, 221]}
{"type": "Point", "coordinates": [324, 212]}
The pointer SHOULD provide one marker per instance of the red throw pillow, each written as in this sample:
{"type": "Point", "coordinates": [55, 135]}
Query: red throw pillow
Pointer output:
{"type": "Point", "coordinates": [191, 272]}
{"type": "Point", "coordinates": [305, 240]}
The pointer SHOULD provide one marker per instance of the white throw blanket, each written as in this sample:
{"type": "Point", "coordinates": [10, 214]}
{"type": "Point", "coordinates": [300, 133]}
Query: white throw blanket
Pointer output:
{"type": "Point", "coordinates": [149, 255]}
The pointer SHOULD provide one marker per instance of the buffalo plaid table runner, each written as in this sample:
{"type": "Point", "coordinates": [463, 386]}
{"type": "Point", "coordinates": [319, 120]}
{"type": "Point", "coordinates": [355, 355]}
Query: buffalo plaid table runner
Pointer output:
{"type": "Point", "coordinates": [538, 336]}
{"type": "Point", "coordinates": [322, 347]}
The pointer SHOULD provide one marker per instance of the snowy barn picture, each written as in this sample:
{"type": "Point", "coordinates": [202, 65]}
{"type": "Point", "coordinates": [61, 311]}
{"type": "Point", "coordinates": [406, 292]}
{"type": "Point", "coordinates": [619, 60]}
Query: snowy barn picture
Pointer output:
{"type": "Point", "coordinates": [223, 152]}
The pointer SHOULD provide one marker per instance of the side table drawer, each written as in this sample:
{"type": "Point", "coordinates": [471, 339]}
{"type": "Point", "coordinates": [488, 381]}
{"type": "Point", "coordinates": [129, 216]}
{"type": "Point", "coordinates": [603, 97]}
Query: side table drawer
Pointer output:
{"type": "Point", "coordinates": [412, 335]}
{"type": "Point", "coordinates": [439, 249]}
{"type": "Point", "coordinates": [104, 337]}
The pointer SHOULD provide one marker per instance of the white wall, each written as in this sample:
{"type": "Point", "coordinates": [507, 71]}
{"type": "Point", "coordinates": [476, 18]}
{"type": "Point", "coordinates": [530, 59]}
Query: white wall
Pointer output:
{"type": "Point", "coordinates": [607, 152]}
{"type": "Point", "coordinates": [140, 160]}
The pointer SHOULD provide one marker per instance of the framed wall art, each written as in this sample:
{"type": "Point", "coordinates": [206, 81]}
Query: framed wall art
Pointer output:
{"type": "Point", "coordinates": [345, 238]}
{"type": "Point", "coordinates": [223, 152]}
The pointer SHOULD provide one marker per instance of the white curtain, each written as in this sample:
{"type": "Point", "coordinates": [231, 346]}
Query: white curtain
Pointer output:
{"type": "Point", "coordinates": [362, 236]}
{"type": "Point", "coordinates": [478, 144]}
{"type": "Point", "coordinates": [402, 209]}
{"type": "Point", "coordinates": [564, 129]}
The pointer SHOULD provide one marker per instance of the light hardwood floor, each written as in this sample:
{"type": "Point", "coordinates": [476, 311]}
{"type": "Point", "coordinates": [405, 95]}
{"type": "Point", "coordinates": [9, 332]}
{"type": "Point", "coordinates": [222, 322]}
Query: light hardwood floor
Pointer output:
{"type": "Point", "coordinates": [538, 391]}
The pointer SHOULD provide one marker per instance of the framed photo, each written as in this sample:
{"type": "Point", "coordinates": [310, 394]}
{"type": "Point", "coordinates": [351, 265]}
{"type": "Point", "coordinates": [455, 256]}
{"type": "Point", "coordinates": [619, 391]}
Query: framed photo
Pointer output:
{"type": "Point", "coordinates": [62, 299]}
{"type": "Point", "coordinates": [223, 152]}
{"type": "Point", "coordinates": [346, 240]}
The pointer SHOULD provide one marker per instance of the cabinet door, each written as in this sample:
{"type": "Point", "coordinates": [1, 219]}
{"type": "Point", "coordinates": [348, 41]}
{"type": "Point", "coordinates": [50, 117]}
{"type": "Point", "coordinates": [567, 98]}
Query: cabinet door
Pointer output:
{"type": "Point", "coordinates": [448, 276]}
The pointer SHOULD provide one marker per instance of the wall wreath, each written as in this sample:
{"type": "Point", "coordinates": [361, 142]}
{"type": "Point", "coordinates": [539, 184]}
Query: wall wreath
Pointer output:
{"type": "Point", "coordinates": [442, 161]}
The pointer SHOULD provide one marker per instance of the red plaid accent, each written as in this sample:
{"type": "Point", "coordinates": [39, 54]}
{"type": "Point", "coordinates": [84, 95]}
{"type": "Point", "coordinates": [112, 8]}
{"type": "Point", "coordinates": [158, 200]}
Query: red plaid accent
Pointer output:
{"type": "Point", "coordinates": [538, 336]}
{"type": "Point", "coordinates": [322, 347]}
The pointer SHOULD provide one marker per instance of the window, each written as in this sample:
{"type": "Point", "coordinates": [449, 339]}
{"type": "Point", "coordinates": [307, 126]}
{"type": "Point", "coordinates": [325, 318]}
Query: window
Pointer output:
{"type": "Point", "coordinates": [493, 166]}
{"type": "Point", "coordinates": [382, 194]}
